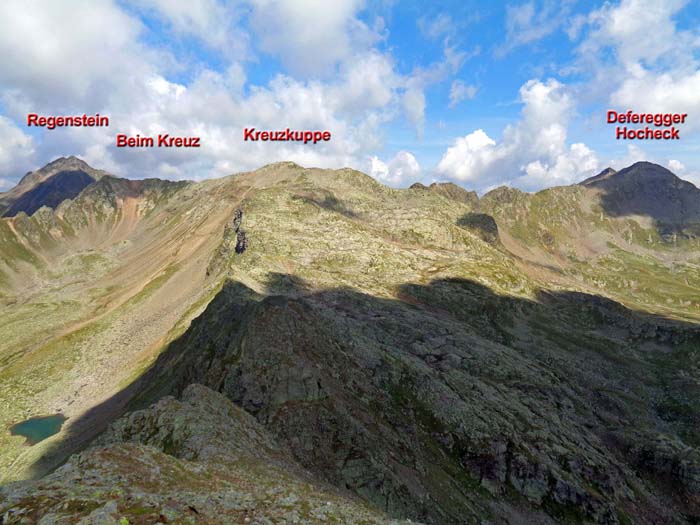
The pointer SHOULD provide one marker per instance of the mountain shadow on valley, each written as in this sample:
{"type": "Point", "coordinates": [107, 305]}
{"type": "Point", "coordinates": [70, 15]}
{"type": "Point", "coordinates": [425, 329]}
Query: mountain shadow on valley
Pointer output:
{"type": "Point", "coordinates": [452, 403]}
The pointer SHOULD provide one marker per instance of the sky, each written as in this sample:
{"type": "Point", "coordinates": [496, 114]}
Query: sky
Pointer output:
{"type": "Point", "coordinates": [478, 93]}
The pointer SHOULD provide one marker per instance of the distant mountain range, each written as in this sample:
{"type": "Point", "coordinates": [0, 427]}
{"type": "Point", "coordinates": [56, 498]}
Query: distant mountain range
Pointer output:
{"type": "Point", "coordinates": [375, 354]}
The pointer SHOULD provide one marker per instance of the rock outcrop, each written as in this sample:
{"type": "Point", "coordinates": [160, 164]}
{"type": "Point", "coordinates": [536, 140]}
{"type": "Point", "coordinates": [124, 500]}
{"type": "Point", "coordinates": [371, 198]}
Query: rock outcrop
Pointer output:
{"type": "Point", "coordinates": [200, 459]}
{"type": "Point", "coordinates": [449, 190]}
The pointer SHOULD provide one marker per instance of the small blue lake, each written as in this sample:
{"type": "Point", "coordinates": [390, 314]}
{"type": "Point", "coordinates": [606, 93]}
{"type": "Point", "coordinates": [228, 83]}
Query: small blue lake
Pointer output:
{"type": "Point", "coordinates": [37, 429]}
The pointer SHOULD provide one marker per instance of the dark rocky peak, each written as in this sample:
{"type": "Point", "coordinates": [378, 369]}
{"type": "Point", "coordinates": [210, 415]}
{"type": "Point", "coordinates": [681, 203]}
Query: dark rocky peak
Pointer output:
{"type": "Point", "coordinates": [51, 192]}
{"type": "Point", "coordinates": [60, 180]}
{"type": "Point", "coordinates": [645, 188]}
{"type": "Point", "coordinates": [61, 164]}
{"type": "Point", "coordinates": [639, 174]}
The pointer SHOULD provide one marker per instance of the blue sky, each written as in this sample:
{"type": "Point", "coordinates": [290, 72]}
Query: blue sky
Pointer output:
{"type": "Point", "coordinates": [479, 93]}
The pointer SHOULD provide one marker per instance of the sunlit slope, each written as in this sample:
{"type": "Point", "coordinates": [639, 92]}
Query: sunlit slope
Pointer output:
{"type": "Point", "coordinates": [91, 291]}
{"type": "Point", "coordinates": [631, 235]}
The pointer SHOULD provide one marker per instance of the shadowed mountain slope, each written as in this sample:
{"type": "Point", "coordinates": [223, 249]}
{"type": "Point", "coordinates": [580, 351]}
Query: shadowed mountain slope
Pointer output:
{"type": "Point", "coordinates": [56, 182]}
{"type": "Point", "coordinates": [653, 191]}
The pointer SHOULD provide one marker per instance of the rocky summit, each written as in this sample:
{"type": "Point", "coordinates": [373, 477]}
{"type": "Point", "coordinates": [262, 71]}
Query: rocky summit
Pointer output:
{"type": "Point", "coordinates": [297, 345]}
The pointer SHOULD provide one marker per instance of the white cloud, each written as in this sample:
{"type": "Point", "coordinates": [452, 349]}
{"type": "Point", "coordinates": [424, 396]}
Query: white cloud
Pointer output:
{"type": "Point", "coordinates": [679, 169]}
{"type": "Point", "coordinates": [311, 36]}
{"type": "Point", "coordinates": [469, 157]}
{"type": "Point", "coordinates": [400, 170]}
{"type": "Point", "coordinates": [368, 81]}
{"type": "Point", "coordinates": [211, 21]}
{"type": "Point", "coordinates": [672, 92]}
{"type": "Point", "coordinates": [213, 107]}
{"type": "Point", "coordinates": [639, 59]}
{"type": "Point", "coordinates": [525, 23]}
{"type": "Point", "coordinates": [16, 150]}
{"type": "Point", "coordinates": [625, 27]}
{"type": "Point", "coordinates": [532, 154]}
{"type": "Point", "coordinates": [676, 166]}
{"type": "Point", "coordinates": [414, 106]}
{"type": "Point", "coordinates": [52, 63]}
{"type": "Point", "coordinates": [441, 25]}
{"type": "Point", "coordinates": [460, 91]}
{"type": "Point", "coordinates": [100, 65]}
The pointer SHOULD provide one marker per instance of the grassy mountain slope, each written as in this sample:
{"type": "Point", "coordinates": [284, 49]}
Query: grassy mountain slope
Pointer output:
{"type": "Point", "coordinates": [93, 290]}
{"type": "Point", "coordinates": [523, 357]}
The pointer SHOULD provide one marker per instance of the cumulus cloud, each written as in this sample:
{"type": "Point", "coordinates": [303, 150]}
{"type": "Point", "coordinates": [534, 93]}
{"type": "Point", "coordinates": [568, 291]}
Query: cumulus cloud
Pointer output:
{"type": "Point", "coordinates": [399, 171]}
{"type": "Point", "coordinates": [469, 157]}
{"type": "Point", "coordinates": [104, 65]}
{"type": "Point", "coordinates": [211, 108]}
{"type": "Point", "coordinates": [675, 91]}
{"type": "Point", "coordinates": [532, 154]}
{"type": "Point", "coordinates": [16, 149]}
{"type": "Point", "coordinates": [634, 67]}
{"type": "Point", "coordinates": [67, 64]}
{"type": "Point", "coordinates": [311, 36]}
